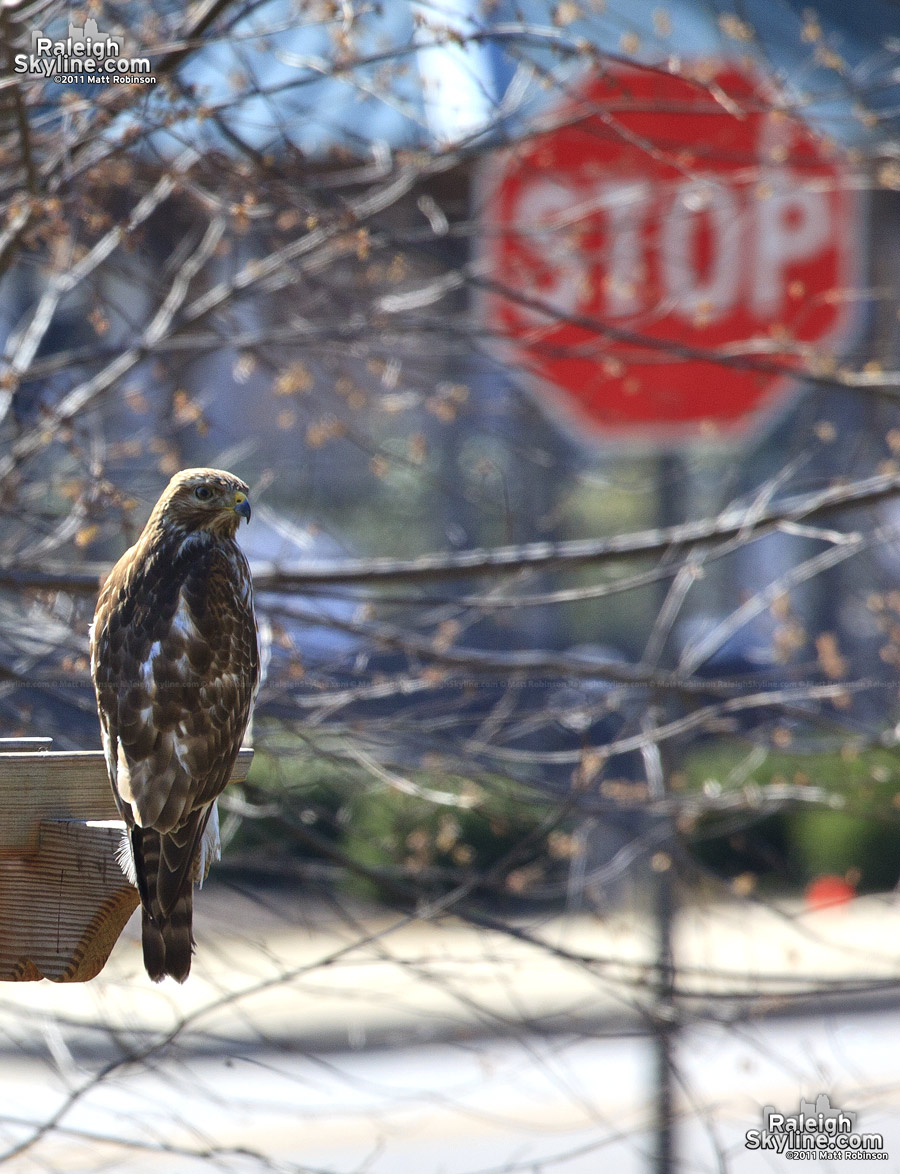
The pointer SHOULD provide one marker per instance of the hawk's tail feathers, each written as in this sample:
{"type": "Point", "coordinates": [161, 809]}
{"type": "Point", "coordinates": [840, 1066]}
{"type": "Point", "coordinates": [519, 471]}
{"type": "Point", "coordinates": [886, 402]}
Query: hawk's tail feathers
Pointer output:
{"type": "Point", "coordinates": [165, 924]}
{"type": "Point", "coordinates": [168, 943]}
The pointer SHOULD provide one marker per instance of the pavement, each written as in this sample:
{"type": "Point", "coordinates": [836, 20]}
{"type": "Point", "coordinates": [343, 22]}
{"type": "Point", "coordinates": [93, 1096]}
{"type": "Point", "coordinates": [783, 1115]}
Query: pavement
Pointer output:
{"type": "Point", "coordinates": [276, 966]}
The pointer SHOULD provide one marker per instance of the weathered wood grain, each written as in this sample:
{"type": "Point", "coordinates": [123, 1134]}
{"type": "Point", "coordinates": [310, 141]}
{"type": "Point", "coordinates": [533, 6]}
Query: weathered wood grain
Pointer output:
{"type": "Point", "coordinates": [63, 907]}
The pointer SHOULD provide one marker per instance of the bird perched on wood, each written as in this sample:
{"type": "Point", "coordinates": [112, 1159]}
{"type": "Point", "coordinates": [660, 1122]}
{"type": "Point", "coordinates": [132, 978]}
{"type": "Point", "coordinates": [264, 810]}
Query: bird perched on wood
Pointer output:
{"type": "Point", "coordinates": [175, 663]}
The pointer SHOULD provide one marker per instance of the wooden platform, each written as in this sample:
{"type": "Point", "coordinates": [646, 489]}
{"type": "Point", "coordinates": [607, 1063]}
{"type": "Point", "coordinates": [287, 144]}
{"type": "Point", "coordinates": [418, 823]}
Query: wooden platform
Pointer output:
{"type": "Point", "coordinates": [63, 898]}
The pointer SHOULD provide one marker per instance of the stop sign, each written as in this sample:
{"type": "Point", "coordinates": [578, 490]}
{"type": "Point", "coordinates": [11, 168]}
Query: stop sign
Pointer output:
{"type": "Point", "coordinates": [670, 252]}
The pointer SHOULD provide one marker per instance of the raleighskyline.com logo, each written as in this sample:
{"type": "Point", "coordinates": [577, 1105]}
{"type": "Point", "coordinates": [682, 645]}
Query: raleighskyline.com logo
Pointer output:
{"type": "Point", "coordinates": [84, 55]}
{"type": "Point", "coordinates": [815, 1130]}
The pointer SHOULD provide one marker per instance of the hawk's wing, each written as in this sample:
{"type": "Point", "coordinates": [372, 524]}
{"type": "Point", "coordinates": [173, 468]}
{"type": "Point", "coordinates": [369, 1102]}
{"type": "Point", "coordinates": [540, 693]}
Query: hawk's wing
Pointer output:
{"type": "Point", "coordinates": [175, 662]}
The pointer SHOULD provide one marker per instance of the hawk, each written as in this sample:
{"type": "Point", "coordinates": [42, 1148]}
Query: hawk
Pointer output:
{"type": "Point", "coordinates": [175, 664]}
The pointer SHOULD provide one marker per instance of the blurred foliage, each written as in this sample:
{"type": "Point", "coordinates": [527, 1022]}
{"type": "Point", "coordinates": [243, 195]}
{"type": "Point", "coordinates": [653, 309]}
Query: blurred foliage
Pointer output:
{"type": "Point", "coordinates": [504, 846]}
{"type": "Point", "coordinates": [493, 838]}
{"type": "Point", "coordinates": [851, 830]}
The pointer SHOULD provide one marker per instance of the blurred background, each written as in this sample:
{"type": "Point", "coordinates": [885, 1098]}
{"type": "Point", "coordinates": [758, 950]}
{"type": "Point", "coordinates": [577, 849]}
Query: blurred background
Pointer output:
{"type": "Point", "coordinates": [558, 344]}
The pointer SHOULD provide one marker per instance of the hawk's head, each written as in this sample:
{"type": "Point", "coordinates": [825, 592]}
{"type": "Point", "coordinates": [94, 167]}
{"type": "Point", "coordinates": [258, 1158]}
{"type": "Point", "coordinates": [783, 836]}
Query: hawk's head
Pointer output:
{"type": "Point", "coordinates": [204, 499]}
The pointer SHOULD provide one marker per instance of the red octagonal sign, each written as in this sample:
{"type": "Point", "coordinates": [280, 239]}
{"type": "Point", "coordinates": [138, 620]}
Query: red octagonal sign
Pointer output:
{"type": "Point", "coordinates": [666, 256]}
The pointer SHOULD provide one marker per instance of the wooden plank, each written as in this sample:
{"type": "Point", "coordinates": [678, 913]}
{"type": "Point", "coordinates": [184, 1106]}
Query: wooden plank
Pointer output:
{"type": "Point", "coordinates": [61, 784]}
{"type": "Point", "coordinates": [62, 908]}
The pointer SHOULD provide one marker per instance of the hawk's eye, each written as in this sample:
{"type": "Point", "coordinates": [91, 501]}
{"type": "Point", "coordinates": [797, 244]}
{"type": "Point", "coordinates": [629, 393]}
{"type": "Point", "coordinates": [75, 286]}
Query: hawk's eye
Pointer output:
{"type": "Point", "coordinates": [203, 493]}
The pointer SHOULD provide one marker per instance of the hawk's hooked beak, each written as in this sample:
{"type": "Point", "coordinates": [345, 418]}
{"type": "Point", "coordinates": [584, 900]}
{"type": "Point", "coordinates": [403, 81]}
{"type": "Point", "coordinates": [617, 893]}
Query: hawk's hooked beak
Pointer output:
{"type": "Point", "coordinates": [242, 505]}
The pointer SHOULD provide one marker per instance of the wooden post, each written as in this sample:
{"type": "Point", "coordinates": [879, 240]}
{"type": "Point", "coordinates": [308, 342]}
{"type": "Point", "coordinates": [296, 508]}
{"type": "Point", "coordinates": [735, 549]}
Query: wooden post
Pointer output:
{"type": "Point", "coordinates": [63, 898]}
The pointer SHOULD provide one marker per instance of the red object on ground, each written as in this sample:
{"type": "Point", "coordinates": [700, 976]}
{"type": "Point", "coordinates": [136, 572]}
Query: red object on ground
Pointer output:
{"type": "Point", "coordinates": [827, 891]}
{"type": "Point", "coordinates": [677, 228]}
